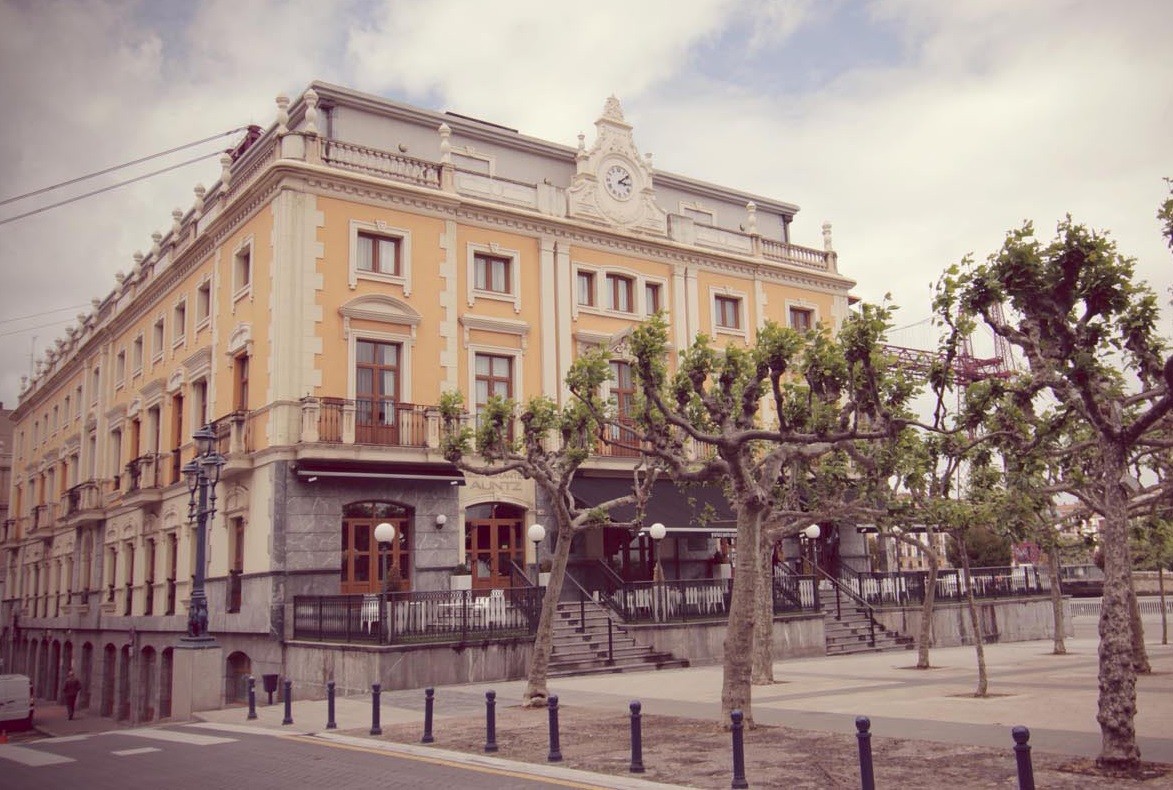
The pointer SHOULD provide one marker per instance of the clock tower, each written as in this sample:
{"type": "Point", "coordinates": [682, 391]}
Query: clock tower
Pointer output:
{"type": "Point", "coordinates": [613, 182]}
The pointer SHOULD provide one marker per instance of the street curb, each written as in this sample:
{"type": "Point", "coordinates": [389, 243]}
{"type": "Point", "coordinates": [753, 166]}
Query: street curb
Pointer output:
{"type": "Point", "coordinates": [616, 781]}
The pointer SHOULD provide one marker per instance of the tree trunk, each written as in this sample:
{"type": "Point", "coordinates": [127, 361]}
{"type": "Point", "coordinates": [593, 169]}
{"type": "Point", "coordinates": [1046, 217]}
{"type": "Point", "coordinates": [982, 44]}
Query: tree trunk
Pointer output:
{"type": "Point", "coordinates": [1117, 674]}
{"type": "Point", "coordinates": [536, 692]}
{"type": "Point", "coordinates": [736, 688]}
{"type": "Point", "coordinates": [762, 672]}
{"type": "Point", "coordinates": [1140, 656]}
{"type": "Point", "coordinates": [1060, 648]}
{"type": "Point", "coordinates": [926, 611]}
{"type": "Point", "coordinates": [983, 685]}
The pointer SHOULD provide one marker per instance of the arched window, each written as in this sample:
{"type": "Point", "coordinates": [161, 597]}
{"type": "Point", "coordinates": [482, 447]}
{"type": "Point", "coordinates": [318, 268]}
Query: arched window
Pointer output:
{"type": "Point", "coordinates": [363, 561]}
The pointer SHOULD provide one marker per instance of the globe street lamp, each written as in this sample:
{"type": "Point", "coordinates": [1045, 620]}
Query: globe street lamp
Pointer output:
{"type": "Point", "coordinates": [811, 534]}
{"type": "Point", "coordinates": [536, 533]}
{"type": "Point", "coordinates": [201, 474]}
{"type": "Point", "coordinates": [384, 536]}
{"type": "Point", "coordinates": [657, 531]}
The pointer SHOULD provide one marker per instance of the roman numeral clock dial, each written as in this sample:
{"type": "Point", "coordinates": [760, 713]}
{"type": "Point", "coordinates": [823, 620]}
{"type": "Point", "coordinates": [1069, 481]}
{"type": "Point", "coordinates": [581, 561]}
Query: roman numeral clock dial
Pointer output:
{"type": "Point", "coordinates": [618, 182]}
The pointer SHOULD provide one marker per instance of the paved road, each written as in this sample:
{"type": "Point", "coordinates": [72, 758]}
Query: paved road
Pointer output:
{"type": "Point", "coordinates": [212, 756]}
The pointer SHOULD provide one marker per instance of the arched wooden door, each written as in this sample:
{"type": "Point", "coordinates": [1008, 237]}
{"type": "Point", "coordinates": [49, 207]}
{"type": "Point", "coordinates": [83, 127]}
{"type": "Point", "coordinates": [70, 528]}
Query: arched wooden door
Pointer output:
{"type": "Point", "coordinates": [492, 542]}
{"type": "Point", "coordinates": [363, 560]}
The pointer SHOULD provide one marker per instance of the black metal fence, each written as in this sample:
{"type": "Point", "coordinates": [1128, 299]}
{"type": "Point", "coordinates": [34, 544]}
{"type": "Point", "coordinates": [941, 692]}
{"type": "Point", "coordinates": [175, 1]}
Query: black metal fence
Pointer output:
{"type": "Point", "coordinates": [419, 617]}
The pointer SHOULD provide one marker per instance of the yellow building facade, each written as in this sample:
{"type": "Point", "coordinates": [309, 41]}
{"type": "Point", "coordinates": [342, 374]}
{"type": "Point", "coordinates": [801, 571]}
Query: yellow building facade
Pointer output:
{"type": "Point", "coordinates": [354, 261]}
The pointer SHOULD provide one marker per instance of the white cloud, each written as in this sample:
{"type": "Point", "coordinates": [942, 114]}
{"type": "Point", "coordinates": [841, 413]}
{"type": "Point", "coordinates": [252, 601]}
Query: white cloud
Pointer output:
{"type": "Point", "coordinates": [980, 114]}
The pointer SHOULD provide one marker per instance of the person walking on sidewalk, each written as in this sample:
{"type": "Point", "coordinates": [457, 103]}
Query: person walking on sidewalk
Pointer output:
{"type": "Point", "coordinates": [70, 690]}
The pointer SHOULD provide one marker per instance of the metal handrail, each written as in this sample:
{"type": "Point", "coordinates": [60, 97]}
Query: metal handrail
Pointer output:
{"type": "Point", "coordinates": [842, 589]}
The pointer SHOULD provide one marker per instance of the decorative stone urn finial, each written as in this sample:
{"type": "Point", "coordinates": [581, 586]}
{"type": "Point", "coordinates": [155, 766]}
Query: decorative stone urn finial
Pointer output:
{"type": "Point", "coordinates": [311, 111]}
{"type": "Point", "coordinates": [282, 113]}
{"type": "Point", "coordinates": [827, 237]}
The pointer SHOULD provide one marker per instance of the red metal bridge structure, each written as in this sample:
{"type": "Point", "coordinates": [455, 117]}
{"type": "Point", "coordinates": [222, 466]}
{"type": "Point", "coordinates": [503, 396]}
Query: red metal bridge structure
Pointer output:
{"type": "Point", "coordinates": [966, 367]}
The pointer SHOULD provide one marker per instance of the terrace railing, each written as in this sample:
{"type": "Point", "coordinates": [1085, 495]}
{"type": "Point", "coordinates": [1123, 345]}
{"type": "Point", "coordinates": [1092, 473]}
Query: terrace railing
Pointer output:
{"type": "Point", "coordinates": [419, 617]}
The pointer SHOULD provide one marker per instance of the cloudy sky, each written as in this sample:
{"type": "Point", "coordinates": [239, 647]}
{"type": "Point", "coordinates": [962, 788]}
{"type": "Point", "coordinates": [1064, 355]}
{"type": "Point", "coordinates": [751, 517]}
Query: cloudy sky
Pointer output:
{"type": "Point", "coordinates": [923, 130]}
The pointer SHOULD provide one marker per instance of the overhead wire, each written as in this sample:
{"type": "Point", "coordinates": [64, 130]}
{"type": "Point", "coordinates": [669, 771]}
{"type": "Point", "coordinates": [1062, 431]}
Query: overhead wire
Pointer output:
{"type": "Point", "coordinates": [138, 161]}
{"type": "Point", "coordinates": [42, 313]}
{"type": "Point", "coordinates": [42, 209]}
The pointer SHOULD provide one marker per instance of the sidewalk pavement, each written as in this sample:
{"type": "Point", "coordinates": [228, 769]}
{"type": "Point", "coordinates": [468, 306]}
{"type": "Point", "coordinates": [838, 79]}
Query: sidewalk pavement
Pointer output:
{"type": "Point", "coordinates": [1055, 696]}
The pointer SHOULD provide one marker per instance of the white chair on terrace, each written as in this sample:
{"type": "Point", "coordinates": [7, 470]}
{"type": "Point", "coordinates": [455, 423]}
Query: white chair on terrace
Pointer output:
{"type": "Point", "coordinates": [369, 614]}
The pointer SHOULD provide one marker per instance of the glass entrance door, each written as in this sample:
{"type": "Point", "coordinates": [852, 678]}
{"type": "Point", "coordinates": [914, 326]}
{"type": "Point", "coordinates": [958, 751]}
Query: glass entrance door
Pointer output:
{"type": "Point", "coordinates": [493, 542]}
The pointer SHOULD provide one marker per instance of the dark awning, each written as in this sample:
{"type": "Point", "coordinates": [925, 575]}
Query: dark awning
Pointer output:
{"type": "Point", "coordinates": [681, 509]}
{"type": "Point", "coordinates": [442, 472]}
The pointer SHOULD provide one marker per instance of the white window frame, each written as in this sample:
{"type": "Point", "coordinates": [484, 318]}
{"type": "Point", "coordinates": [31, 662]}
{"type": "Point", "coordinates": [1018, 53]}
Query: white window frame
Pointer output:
{"type": "Point", "coordinates": [138, 348]}
{"type": "Point", "coordinates": [240, 291]}
{"type": "Point", "coordinates": [742, 312]}
{"type": "Point", "coordinates": [802, 304]}
{"type": "Point", "coordinates": [513, 295]}
{"type": "Point", "coordinates": [380, 228]}
{"type": "Point", "coordinates": [662, 284]}
{"type": "Point", "coordinates": [204, 287]}
{"type": "Point", "coordinates": [634, 284]}
{"type": "Point", "coordinates": [119, 370]}
{"type": "Point", "coordinates": [518, 357]}
{"type": "Point", "coordinates": [594, 273]}
{"type": "Point", "coordinates": [406, 344]}
{"type": "Point", "coordinates": [158, 339]}
{"type": "Point", "coordinates": [178, 330]}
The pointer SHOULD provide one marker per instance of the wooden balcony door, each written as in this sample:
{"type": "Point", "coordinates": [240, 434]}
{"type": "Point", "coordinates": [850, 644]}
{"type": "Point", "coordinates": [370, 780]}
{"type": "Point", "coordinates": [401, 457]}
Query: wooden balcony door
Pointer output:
{"type": "Point", "coordinates": [376, 392]}
{"type": "Point", "coordinates": [493, 540]}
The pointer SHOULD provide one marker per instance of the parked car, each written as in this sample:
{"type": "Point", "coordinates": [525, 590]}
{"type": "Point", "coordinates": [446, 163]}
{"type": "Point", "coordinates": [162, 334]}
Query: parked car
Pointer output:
{"type": "Point", "coordinates": [16, 702]}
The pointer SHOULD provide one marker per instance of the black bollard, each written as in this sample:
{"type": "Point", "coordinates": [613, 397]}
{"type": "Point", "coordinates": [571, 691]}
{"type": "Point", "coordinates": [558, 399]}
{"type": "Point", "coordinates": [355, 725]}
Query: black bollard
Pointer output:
{"type": "Point", "coordinates": [867, 777]}
{"type": "Point", "coordinates": [429, 701]}
{"type": "Point", "coordinates": [738, 751]}
{"type": "Point", "coordinates": [330, 723]}
{"type": "Point", "coordinates": [490, 721]}
{"type": "Point", "coordinates": [637, 743]}
{"type": "Point", "coordinates": [1026, 772]}
{"type": "Point", "coordinates": [376, 689]}
{"type": "Point", "coordinates": [288, 703]}
{"type": "Point", "coordinates": [252, 697]}
{"type": "Point", "coordinates": [555, 755]}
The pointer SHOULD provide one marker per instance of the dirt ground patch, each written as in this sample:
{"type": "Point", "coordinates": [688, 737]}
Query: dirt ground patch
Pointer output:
{"type": "Point", "coordinates": [697, 753]}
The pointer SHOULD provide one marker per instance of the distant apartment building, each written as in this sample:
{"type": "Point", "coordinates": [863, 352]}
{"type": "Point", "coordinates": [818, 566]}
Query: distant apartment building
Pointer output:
{"type": "Point", "coordinates": [353, 261]}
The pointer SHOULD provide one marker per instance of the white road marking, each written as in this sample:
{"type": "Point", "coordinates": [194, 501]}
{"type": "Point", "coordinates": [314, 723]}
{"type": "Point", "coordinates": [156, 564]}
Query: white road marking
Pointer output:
{"type": "Point", "coordinates": [71, 738]}
{"type": "Point", "coordinates": [174, 736]}
{"type": "Point", "coordinates": [128, 752]}
{"type": "Point", "coordinates": [247, 729]}
{"type": "Point", "coordinates": [31, 757]}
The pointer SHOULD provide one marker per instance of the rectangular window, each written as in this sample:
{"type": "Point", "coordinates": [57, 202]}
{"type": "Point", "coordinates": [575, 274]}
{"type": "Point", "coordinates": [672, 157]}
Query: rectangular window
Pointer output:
{"type": "Point", "coordinates": [77, 404]}
{"type": "Point", "coordinates": [492, 273]}
{"type": "Point", "coordinates": [236, 539]}
{"type": "Point", "coordinates": [585, 288]}
{"type": "Point", "coordinates": [802, 319]}
{"type": "Point", "coordinates": [199, 403]}
{"type": "Point", "coordinates": [136, 356]}
{"type": "Point", "coordinates": [120, 368]}
{"type": "Point", "coordinates": [242, 270]}
{"type": "Point", "coordinates": [240, 383]}
{"type": "Point", "coordinates": [619, 293]}
{"type": "Point", "coordinates": [378, 254]}
{"type": "Point", "coordinates": [652, 302]}
{"type": "Point", "coordinates": [179, 322]}
{"type": "Point", "coordinates": [96, 385]}
{"type": "Point", "coordinates": [158, 338]}
{"type": "Point", "coordinates": [203, 304]}
{"type": "Point", "coordinates": [728, 312]}
{"type": "Point", "coordinates": [494, 376]}
{"type": "Point", "coordinates": [177, 437]}
{"type": "Point", "coordinates": [66, 412]}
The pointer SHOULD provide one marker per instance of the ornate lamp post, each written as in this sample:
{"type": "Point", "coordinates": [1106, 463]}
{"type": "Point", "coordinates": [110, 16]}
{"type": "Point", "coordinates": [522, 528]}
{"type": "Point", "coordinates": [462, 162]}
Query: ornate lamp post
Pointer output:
{"type": "Point", "coordinates": [384, 536]}
{"type": "Point", "coordinates": [536, 533]}
{"type": "Point", "coordinates": [202, 473]}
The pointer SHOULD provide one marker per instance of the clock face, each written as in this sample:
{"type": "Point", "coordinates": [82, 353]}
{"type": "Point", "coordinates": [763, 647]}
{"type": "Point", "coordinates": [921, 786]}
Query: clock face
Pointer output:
{"type": "Point", "coordinates": [618, 182]}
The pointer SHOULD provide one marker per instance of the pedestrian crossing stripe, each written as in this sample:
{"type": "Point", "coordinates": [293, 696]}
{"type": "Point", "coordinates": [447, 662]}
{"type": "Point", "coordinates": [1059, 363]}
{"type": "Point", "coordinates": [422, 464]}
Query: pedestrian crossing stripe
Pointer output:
{"type": "Point", "coordinates": [174, 736]}
{"type": "Point", "coordinates": [33, 758]}
{"type": "Point", "coordinates": [140, 750]}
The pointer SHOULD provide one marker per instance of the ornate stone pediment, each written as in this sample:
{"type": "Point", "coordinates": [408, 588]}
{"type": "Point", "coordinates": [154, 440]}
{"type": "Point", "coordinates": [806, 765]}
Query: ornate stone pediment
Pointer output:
{"type": "Point", "coordinates": [613, 181]}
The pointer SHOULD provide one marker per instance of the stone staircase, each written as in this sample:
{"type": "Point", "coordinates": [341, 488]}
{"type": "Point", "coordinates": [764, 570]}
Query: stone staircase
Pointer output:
{"type": "Point", "coordinates": [580, 645]}
{"type": "Point", "coordinates": [851, 634]}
